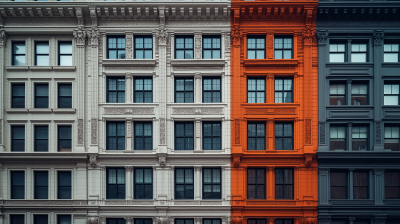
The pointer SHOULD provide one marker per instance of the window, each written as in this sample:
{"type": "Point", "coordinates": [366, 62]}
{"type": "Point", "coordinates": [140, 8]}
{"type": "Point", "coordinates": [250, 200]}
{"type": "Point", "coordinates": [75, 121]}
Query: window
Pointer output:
{"type": "Point", "coordinates": [115, 221]}
{"type": "Point", "coordinates": [184, 136]}
{"type": "Point", "coordinates": [284, 221]}
{"type": "Point", "coordinates": [256, 183]}
{"type": "Point", "coordinates": [338, 185]}
{"type": "Point", "coordinates": [18, 96]}
{"type": "Point", "coordinates": [256, 47]}
{"type": "Point", "coordinates": [359, 93]}
{"type": "Point", "coordinates": [41, 95]}
{"type": "Point", "coordinates": [338, 221]}
{"type": "Point", "coordinates": [211, 135]}
{"type": "Point", "coordinates": [143, 136]}
{"type": "Point", "coordinates": [256, 90]}
{"type": "Point", "coordinates": [41, 138]}
{"type": "Point", "coordinates": [64, 219]}
{"type": "Point", "coordinates": [64, 185]}
{"type": "Point", "coordinates": [256, 136]}
{"type": "Point", "coordinates": [115, 183]}
{"type": "Point", "coordinates": [116, 90]}
{"type": "Point", "coordinates": [143, 90]}
{"type": "Point", "coordinates": [391, 94]}
{"type": "Point", "coordinates": [338, 138]}
{"type": "Point", "coordinates": [17, 184]}
{"type": "Point", "coordinates": [18, 53]}
{"type": "Point", "coordinates": [337, 52]}
{"type": "Point", "coordinates": [40, 219]}
{"type": "Point", "coordinates": [211, 47]}
{"type": "Point", "coordinates": [391, 52]}
{"type": "Point", "coordinates": [360, 185]}
{"type": "Point", "coordinates": [42, 53]}
{"type": "Point", "coordinates": [184, 188]}
{"type": "Point", "coordinates": [41, 184]}
{"type": "Point", "coordinates": [184, 90]}
{"type": "Point", "coordinates": [143, 183]}
{"type": "Point", "coordinates": [17, 219]}
{"type": "Point", "coordinates": [211, 221]}
{"type": "Point", "coordinates": [337, 94]}
{"type": "Point", "coordinates": [143, 221]}
{"type": "Point", "coordinates": [115, 135]}
{"type": "Point", "coordinates": [283, 48]}
{"type": "Point", "coordinates": [359, 138]}
{"type": "Point", "coordinates": [64, 95]}
{"type": "Point", "coordinates": [143, 47]}
{"type": "Point", "coordinates": [283, 91]}
{"type": "Point", "coordinates": [116, 47]}
{"type": "Point", "coordinates": [284, 183]}
{"type": "Point", "coordinates": [17, 138]}
{"type": "Point", "coordinates": [211, 183]}
{"type": "Point", "coordinates": [211, 90]}
{"type": "Point", "coordinates": [255, 221]}
{"type": "Point", "coordinates": [184, 221]}
{"type": "Point", "coordinates": [392, 184]}
{"type": "Point", "coordinates": [392, 138]}
{"type": "Point", "coordinates": [65, 53]}
{"type": "Point", "coordinates": [184, 47]}
{"type": "Point", "coordinates": [359, 53]}
{"type": "Point", "coordinates": [283, 136]}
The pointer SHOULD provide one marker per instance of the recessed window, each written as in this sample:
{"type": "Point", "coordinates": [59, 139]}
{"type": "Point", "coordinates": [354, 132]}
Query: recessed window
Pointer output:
{"type": "Point", "coordinates": [211, 183]}
{"type": "Point", "coordinates": [143, 183]}
{"type": "Point", "coordinates": [255, 221]}
{"type": "Point", "coordinates": [256, 90]}
{"type": "Point", "coordinates": [143, 221]}
{"type": "Point", "coordinates": [337, 52]}
{"type": "Point", "coordinates": [184, 136]}
{"type": "Point", "coordinates": [283, 47]}
{"type": "Point", "coordinates": [256, 183]}
{"type": "Point", "coordinates": [116, 47]}
{"type": "Point", "coordinates": [184, 221]}
{"type": "Point", "coordinates": [17, 219]}
{"type": "Point", "coordinates": [143, 90]}
{"type": "Point", "coordinates": [360, 185]}
{"type": "Point", "coordinates": [41, 138]}
{"type": "Point", "coordinates": [18, 53]}
{"type": "Point", "coordinates": [359, 53]}
{"type": "Point", "coordinates": [64, 139]}
{"type": "Point", "coordinates": [115, 90]}
{"type": "Point", "coordinates": [392, 184]}
{"type": "Point", "coordinates": [115, 135]}
{"type": "Point", "coordinates": [41, 184]}
{"type": "Point", "coordinates": [143, 47]}
{"type": "Point", "coordinates": [337, 94]}
{"type": "Point", "coordinates": [337, 138]}
{"type": "Point", "coordinates": [211, 90]}
{"type": "Point", "coordinates": [64, 219]}
{"type": "Point", "coordinates": [64, 95]}
{"type": "Point", "coordinates": [284, 221]}
{"type": "Point", "coordinates": [40, 219]}
{"type": "Point", "coordinates": [284, 183]}
{"type": "Point", "coordinates": [391, 52]}
{"type": "Point", "coordinates": [211, 221]}
{"type": "Point", "coordinates": [359, 93]}
{"type": "Point", "coordinates": [211, 135]}
{"type": "Point", "coordinates": [17, 184]}
{"type": "Point", "coordinates": [184, 90]}
{"type": "Point", "coordinates": [41, 95]}
{"type": "Point", "coordinates": [359, 141]}
{"type": "Point", "coordinates": [211, 47]}
{"type": "Point", "coordinates": [65, 53]}
{"type": "Point", "coordinates": [64, 185]}
{"type": "Point", "coordinates": [184, 47]}
{"type": "Point", "coordinates": [184, 183]}
{"type": "Point", "coordinates": [283, 136]}
{"type": "Point", "coordinates": [42, 53]}
{"type": "Point", "coordinates": [256, 136]}
{"type": "Point", "coordinates": [283, 90]}
{"type": "Point", "coordinates": [115, 220]}
{"type": "Point", "coordinates": [115, 183]}
{"type": "Point", "coordinates": [391, 94]}
{"type": "Point", "coordinates": [392, 138]}
{"type": "Point", "coordinates": [143, 136]}
{"type": "Point", "coordinates": [17, 138]}
{"type": "Point", "coordinates": [338, 180]}
{"type": "Point", "coordinates": [255, 47]}
{"type": "Point", "coordinates": [18, 96]}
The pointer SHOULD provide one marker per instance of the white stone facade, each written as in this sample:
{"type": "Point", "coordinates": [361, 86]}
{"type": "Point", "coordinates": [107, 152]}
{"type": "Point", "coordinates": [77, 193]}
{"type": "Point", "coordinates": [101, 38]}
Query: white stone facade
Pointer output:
{"type": "Point", "coordinates": [87, 25]}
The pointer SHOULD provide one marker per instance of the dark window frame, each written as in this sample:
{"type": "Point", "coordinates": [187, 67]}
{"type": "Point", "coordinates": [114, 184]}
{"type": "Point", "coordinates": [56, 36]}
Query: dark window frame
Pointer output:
{"type": "Point", "coordinates": [353, 85]}
{"type": "Point", "coordinates": [256, 137]}
{"type": "Point", "coordinates": [118, 37]}
{"type": "Point", "coordinates": [143, 37]}
{"type": "Point", "coordinates": [143, 137]}
{"type": "Point", "coordinates": [257, 197]}
{"type": "Point", "coordinates": [17, 139]}
{"type": "Point", "coordinates": [212, 78]}
{"type": "Point", "coordinates": [361, 185]}
{"type": "Point", "coordinates": [36, 138]}
{"type": "Point", "coordinates": [211, 220]}
{"type": "Point", "coordinates": [366, 139]}
{"type": "Point", "coordinates": [393, 83]}
{"type": "Point", "coordinates": [184, 220]}
{"type": "Point", "coordinates": [13, 54]}
{"type": "Point", "coordinates": [108, 220]}
{"type": "Point", "coordinates": [257, 221]}
{"type": "Point", "coordinates": [184, 91]}
{"type": "Point", "coordinates": [39, 185]}
{"type": "Point", "coordinates": [37, 54]}
{"type": "Point", "coordinates": [359, 42]}
{"type": "Point", "coordinates": [284, 184]}
{"type": "Point", "coordinates": [12, 186]}
{"type": "Point", "coordinates": [116, 91]}
{"type": "Point", "coordinates": [13, 216]}
{"type": "Point", "coordinates": [184, 48]}
{"type": "Point", "coordinates": [391, 126]}
{"type": "Point", "coordinates": [387, 184]}
{"type": "Point", "coordinates": [59, 216]}
{"type": "Point", "coordinates": [338, 42]}
{"type": "Point", "coordinates": [142, 91]}
{"type": "Point", "coordinates": [60, 187]}
{"type": "Point", "coordinates": [283, 49]}
{"type": "Point", "coordinates": [62, 54]}
{"type": "Point", "coordinates": [283, 137]}
{"type": "Point", "coordinates": [338, 95]}
{"type": "Point", "coordinates": [391, 42]}
{"type": "Point", "coordinates": [143, 221]}
{"type": "Point", "coordinates": [212, 136]}
{"type": "Point", "coordinates": [347, 186]}
{"type": "Point", "coordinates": [256, 91]}
{"type": "Point", "coordinates": [135, 184]}
{"type": "Point", "coordinates": [13, 85]}
{"type": "Point", "coordinates": [61, 97]}
{"type": "Point", "coordinates": [345, 135]}
{"type": "Point", "coordinates": [184, 137]}
{"type": "Point", "coordinates": [256, 37]}
{"type": "Point", "coordinates": [108, 196]}
{"type": "Point", "coordinates": [36, 216]}
{"type": "Point", "coordinates": [116, 135]}
{"type": "Point", "coordinates": [284, 221]}
{"type": "Point", "coordinates": [212, 49]}
{"type": "Point", "coordinates": [212, 184]}
{"type": "Point", "coordinates": [184, 184]}
{"type": "Point", "coordinates": [41, 97]}
{"type": "Point", "coordinates": [283, 91]}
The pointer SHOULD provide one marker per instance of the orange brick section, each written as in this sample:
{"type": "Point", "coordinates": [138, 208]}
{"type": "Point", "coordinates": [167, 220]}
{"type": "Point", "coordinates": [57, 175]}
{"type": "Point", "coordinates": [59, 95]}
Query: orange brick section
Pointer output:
{"type": "Point", "coordinates": [270, 18]}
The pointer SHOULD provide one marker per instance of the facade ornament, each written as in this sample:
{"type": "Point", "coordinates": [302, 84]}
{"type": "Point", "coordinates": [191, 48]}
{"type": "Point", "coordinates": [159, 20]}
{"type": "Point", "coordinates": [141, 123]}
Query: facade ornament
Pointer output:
{"type": "Point", "coordinates": [197, 76]}
{"type": "Point", "coordinates": [236, 35]}
{"type": "Point", "coordinates": [102, 219]}
{"type": "Point", "coordinates": [3, 38]}
{"type": "Point", "coordinates": [197, 46]}
{"type": "Point", "coordinates": [162, 160]}
{"type": "Point", "coordinates": [225, 219]}
{"type": "Point", "coordinates": [129, 219]}
{"type": "Point", "coordinates": [163, 220]}
{"type": "Point", "coordinates": [227, 42]}
{"type": "Point", "coordinates": [129, 45]}
{"type": "Point", "coordinates": [378, 36]}
{"type": "Point", "coordinates": [129, 168]}
{"type": "Point", "coordinates": [308, 160]}
{"type": "Point", "coordinates": [309, 220]}
{"type": "Point", "coordinates": [92, 219]}
{"type": "Point", "coordinates": [235, 220]}
{"type": "Point", "coordinates": [80, 36]}
{"type": "Point", "coordinates": [93, 160]}
{"type": "Point", "coordinates": [308, 35]}
{"type": "Point", "coordinates": [322, 35]}
{"type": "Point", "coordinates": [162, 35]}
{"type": "Point", "coordinates": [93, 36]}
{"type": "Point", "coordinates": [93, 16]}
{"type": "Point", "coordinates": [80, 131]}
{"type": "Point", "coordinates": [94, 131]}
{"type": "Point", "coordinates": [79, 15]}
{"type": "Point", "coordinates": [236, 161]}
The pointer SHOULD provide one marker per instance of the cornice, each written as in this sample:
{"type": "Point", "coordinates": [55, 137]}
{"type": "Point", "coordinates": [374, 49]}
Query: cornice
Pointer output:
{"type": "Point", "coordinates": [7, 156]}
{"type": "Point", "coordinates": [44, 202]}
{"type": "Point", "coordinates": [41, 68]}
{"type": "Point", "coordinates": [270, 62]}
{"type": "Point", "coordinates": [129, 62]}
{"type": "Point", "coordinates": [198, 62]}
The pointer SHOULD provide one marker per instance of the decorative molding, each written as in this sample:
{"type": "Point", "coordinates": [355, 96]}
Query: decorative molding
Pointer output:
{"type": "Point", "coordinates": [308, 34]}
{"type": "Point", "coordinates": [237, 131]}
{"type": "Point", "coordinates": [127, 68]}
{"type": "Point", "coordinates": [308, 132]}
{"type": "Point", "coordinates": [45, 202]}
{"type": "Point", "coordinates": [309, 220]}
{"type": "Point", "coordinates": [129, 46]}
{"type": "Point", "coordinates": [92, 219]}
{"type": "Point", "coordinates": [127, 160]}
{"type": "Point", "coordinates": [93, 16]}
{"type": "Point", "coordinates": [213, 63]}
{"type": "Point", "coordinates": [93, 160]}
{"type": "Point", "coordinates": [93, 36]}
{"type": "Point", "coordinates": [271, 111]}
{"type": "Point", "coordinates": [199, 110]}
{"type": "Point", "coordinates": [163, 220]}
{"type": "Point", "coordinates": [129, 168]}
{"type": "Point", "coordinates": [80, 131]}
{"type": "Point", "coordinates": [272, 161]}
{"type": "Point", "coordinates": [227, 39]}
{"type": "Point", "coordinates": [322, 35]}
{"type": "Point", "coordinates": [162, 131]}
{"type": "Point", "coordinates": [198, 68]}
{"type": "Point", "coordinates": [236, 161]}
{"type": "Point", "coordinates": [128, 202]}
{"type": "Point", "coordinates": [308, 160]}
{"type": "Point", "coordinates": [270, 203]}
{"type": "Point", "coordinates": [1, 131]}
{"type": "Point", "coordinates": [197, 46]}
{"type": "Point", "coordinates": [378, 37]}
{"type": "Point", "coordinates": [322, 134]}
{"type": "Point", "coordinates": [79, 16]}
{"type": "Point", "coordinates": [80, 36]}
{"type": "Point", "coordinates": [130, 63]}
{"type": "Point", "coordinates": [162, 160]}
{"type": "Point", "coordinates": [349, 23]}
{"type": "Point", "coordinates": [129, 219]}
{"type": "Point", "coordinates": [198, 203]}
{"type": "Point", "coordinates": [194, 160]}
{"type": "Point", "coordinates": [128, 110]}
{"type": "Point", "coordinates": [162, 36]}
{"type": "Point", "coordinates": [94, 131]}
{"type": "Point", "coordinates": [3, 38]}
{"type": "Point", "coordinates": [378, 133]}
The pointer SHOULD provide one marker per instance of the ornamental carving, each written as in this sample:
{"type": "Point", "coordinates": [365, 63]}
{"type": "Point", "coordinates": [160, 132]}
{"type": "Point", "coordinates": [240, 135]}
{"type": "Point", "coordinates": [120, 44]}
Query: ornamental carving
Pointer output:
{"type": "Point", "coordinates": [197, 46]}
{"type": "Point", "coordinates": [129, 46]}
{"type": "Point", "coordinates": [3, 38]}
{"type": "Point", "coordinates": [227, 42]}
{"type": "Point", "coordinates": [236, 35]}
{"type": "Point", "coordinates": [162, 160]}
{"type": "Point", "coordinates": [128, 128]}
{"type": "Point", "coordinates": [322, 134]}
{"type": "Point", "coordinates": [92, 219]}
{"type": "Point", "coordinates": [93, 160]}
{"type": "Point", "coordinates": [309, 220]}
{"type": "Point", "coordinates": [271, 111]}
{"type": "Point", "coordinates": [129, 168]}
{"type": "Point", "coordinates": [236, 220]}
{"type": "Point", "coordinates": [378, 133]}
{"type": "Point", "coordinates": [129, 202]}
{"type": "Point", "coordinates": [79, 16]}
{"type": "Point", "coordinates": [200, 161]}
{"type": "Point", "coordinates": [270, 46]}
{"type": "Point", "coordinates": [162, 131]}
{"type": "Point", "coordinates": [80, 36]}
{"type": "Point", "coordinates": [308, 35]}
{"type": "Point", "coordinates": [128, 110]}
{"type": "Point", "coordinates": [237, 131]}
{"type": "Point", "coordinates": [308, 131]}
{"type": "Point", "coordinates": [236, 161]}
{"type": "Point", "coordinates": [162, 36]}
{"type": "Point", "coordinates": [378, 36]}
{"type": "Point", "coordinates": [270, 203]}
{"type": "Point", "coordinates": [93, 16]}
{"type": "Point", "coordinates": [129, 219]}
{"type": "Point", "coordinates": [93, 36]}
{"type": "Point", "coordinates": [94, 131]}
{"type": "Point", "coordinates": [80, 131]}
{"type": "Point", "coordinates": [210, 110]}
{"type": "Point", "coordinates": [245, 160]}
{"type": "Point", "coordinates": [308, 160]}
{"type": "Point", "coordinates": [322, 35]}
{"type": "Point", "coordinates": [163, 220]}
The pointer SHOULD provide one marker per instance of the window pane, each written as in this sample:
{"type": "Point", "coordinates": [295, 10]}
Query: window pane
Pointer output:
{"type": "Point", "coordinates": [65, 48]}
{"type": "Point", "coordinates": [42, 48]}
{"type": "Point", "coordinates": [336, 57]}
{"type": "Point", "coordinates": [358, 57]}
{"type": "Point", "coordinates": [391, 57]}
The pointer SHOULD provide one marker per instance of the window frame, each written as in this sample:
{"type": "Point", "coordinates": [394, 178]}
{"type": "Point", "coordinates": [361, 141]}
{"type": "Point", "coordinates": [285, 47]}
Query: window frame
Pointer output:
{"type": "Point", "coordinates": [63, 215]}
{"type": "Point", "coordinates": [59, 186]}
{"type": "Point", "coordinates": [354, 84]}
{"type": "Point", "coordinates": [355, 186]}
{"type": "Point", "coordinates": [284, 37]}
{"type": "Point", "coordinates": [184, 89]}
{"type": "Point", "coordinates": [391, 87]}
{"type": "Point", "coordinates": [184, 137]}
{"type": "Point", "coordinates": [283, 137]}
{"type": "Point", "coordinates": [184, 46]}
{"type": "Point", "coordinates": [338, 42]}
{"type": "Point", "coordinates": [62, 54]}
{"type": "Point", "coordinates": [40, 185]}
{"type": "Point", "coordinates": [391, 42]}
{"type": "Point", "coordinates": [256, 136]}
{"type": "Point", "coordinates": [108, 220]}
{"type": "Point", "coordinates": [36, 85]}
{"type": "Point", "coordinates": [143, 184]}
{"type": "Point", "coordinates": [36, 138]}
{"type": "Point", "coordinates": [283, 221]}
{"type": "Point", "coordinates": [212, 220]}
{"type": "Point", "coordinates": [143, 49]}
{"type": "Point", "coordinates": [257, 197]}
{"type": "Point", "coordinates": [143, 91]}
{"type": "Point", "coordinates": [256, 91]}
{"type": "Point", "coordinates": [385, 182]}
{"type": "Point", "coordinates": [116, 135]}
{"type": "Point", "coordinates": [184, 183]}
{"type": "Point", "coordinates": [284, 184]}
{"type": "Point", "coordinates": [37, 54]}
{"type": "Point", "coordinates": [345, 136]}
{"type": "Point", "coordinates": [39, 215]}
{"type": "Point", "coordinates": [212, 135]}
{"type": "Point", "coordinates": [337, 95]}
{"type": "Point", "coordinates": [256, 220]}
{"type": "Point", "coordinates": [283, 91]}
{"type": "Point", "coordinates": [59, 97]}
{"type": "Point", "coordinates": [116, 91]}
{"type": "Point", "coordinates": [108, 196]}
{"type": "Point", "coordinates": [212, 48]}
{"type": "Point", "coordinates": [143, 221]}
{"type": "Point", "coordinates": [347, 181]}
{"type": "Point", "coordinates": [17, 97]}
{"type": "Point", "coordinates": [391, 126]}
{"type": "Point", "coordinates": [116, 44]}
{"type": "Point", "coordinates": [143, 136]}
{"type": "Point", "coordinates": [212, 78]}
{"type": "Point", "coordinates": [359, 42]}
{"type": "Point", "coordinates": [16, 215]}
{"type": "Point", "coordinates": [12, 186]}
{"type": "Point", "coordinates": [256, 37]}
{"type": "Point", "coordinates": [361, 125]}
{"type": "Point", "coordinates": [212, 184]}
{"type": "Point", "coordinates": [17, 139]}
{"type": "Point", "coordinates": [13, 54]}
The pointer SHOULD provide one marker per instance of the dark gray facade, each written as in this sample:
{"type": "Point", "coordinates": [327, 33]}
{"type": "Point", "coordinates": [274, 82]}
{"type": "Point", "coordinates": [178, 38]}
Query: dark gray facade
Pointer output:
{"type": "Point", "coordinates": [359, 111]}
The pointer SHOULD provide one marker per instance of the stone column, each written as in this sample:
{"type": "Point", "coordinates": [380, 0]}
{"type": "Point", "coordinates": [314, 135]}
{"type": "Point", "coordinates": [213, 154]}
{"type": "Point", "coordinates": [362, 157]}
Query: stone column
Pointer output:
{"type": "Point", "coordinates": [197, 220]}
{"type": "Point", "coordinates": [322, 36]}
{"type": "Point", "coordinates": [378, 92]}
{"type": "Point", "coordinates": [271, 189]}
{"type": "Point", "coordinates": [128, 137]}
{"type": "Point", "coordinates": [102, 220]}
{"type": "Point", "coordinates": [128, 88]}
{"type": "Point", "coordinates": [129, 182]}
{"type": "Point", "coordinates": [197, 88]}
{"type": "Point", "coordinates": [324, 187]}
{"type": "Point", "coordinates": [197, 135]}
{"type": "Point", "coordinates": [129, 45]}
{"type": "Point", "coordinates": [197, 183]}
{"type": "Point", "coordinates": [3, 40]}
{"type": "Point", "coordinates": [379, 186]}
{"type": "Point", "coordinates": [351, 171]}
{"type": "Point", "coordinates": [197, 45]}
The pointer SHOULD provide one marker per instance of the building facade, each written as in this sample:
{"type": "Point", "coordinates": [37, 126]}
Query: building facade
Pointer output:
{"type": "Point", "coordinates": [358, 49]}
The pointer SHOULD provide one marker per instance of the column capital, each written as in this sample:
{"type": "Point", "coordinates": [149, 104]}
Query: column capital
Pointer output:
{"type": "Point", "coordinates": [129, 168]}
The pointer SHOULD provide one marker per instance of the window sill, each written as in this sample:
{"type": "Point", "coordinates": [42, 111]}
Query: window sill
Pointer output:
{"type": "Point", "coordinates": [41, 110]}
{"type": "Point", "coordinates": [352, 202]}
{"type": "Point", "coordinates": [271, 62]}
{"type": "Point", "coordinates": [44, 202]}
{"type": "Point", "coordinates": [41, 68]}
{"type": "Point", "coordinates": [128, 202]}
{"type": "Point", "coordinates": [129, 62]}
{"type": "Point", "coordinates": [64, 111]}
{"type": "Point", "coordinates": [17, 110]}
{"type": "Point", "coordinates": [391, 201]}
{"type": "Point", "coordinates": [128, 110]}
{"type": "Point", "coordinates": [338, 64]}
{"type": "Point", "coordinates": [197, 202]}
{"type": "Point", "coordinates": [390, 64]}
{"type": "Point", "coordinates": [198, 62]}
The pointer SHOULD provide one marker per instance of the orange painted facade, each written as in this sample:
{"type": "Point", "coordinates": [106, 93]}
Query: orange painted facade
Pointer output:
{"type": "Point", "coordinates": [272, 19]}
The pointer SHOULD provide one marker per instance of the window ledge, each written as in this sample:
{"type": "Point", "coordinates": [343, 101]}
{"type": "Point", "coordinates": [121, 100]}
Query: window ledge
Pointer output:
{"type": "Point", "coordinates": [17, 110]}
{"type": "Point", "coordinates": [271, 62]}
{"type": "Point", "coordinates": [45, 202]}
{"type": "Point", "coordinates": [391, 201]}
{"type": "Point", "coordinates": [389, 106]}
{"type": "Point", "coordinates": [197, 202]}
{"type": "Point", "coordinates": [64, 68]}
{"type": "Point", "coordinates": [129, 62]}
{"type": "Point", "coordinates": [338, 64]}
{"type": "Point", "coordinates": [17, 68]}
{"type": "Point", "coordinates": [352, 202]}
{"type": "Point", "coordinates": [64, 111]}
{"type": "Point", "coordinates": [198, 62]}
{"type": "Point", "coordinates": [40, 110]}
{"type": "Point", "coordinates": [41, 68]}
{"type": "Point", "coordinates": [139, 151]}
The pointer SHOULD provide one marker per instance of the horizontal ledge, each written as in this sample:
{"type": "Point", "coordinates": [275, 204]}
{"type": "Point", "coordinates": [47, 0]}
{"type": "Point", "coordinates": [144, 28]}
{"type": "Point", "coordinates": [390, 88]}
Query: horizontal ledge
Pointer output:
{"type": "Point", "coordinates": [198, 62]}
{"type": "Point", "coordinates": [271, 62]}
{"type": "Point", "coordinates": [41, 68]}
{"type": "Point", "coordinates": [129, 62]}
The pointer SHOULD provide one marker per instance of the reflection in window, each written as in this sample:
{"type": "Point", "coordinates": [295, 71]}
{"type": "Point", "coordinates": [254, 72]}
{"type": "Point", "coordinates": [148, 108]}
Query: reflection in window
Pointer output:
{"type": "Point", "coordinates": [115, 183]}
{"type": "Point", "coordinates": [116, 90]}
{"type": "Point", "coordinates": [283, 91]}
{"type": "Point", "coordinates": [211, 183]}
{"type": "Point", "coordinates": [283, 48]}
{"type": "Point", "coordinates": [359, 138]}
{"type": "Point", "coordinates": [391, 94]}
{"type": "Point", "coordinates": [143, 90]}
{"type": "Point", "coordinates": [143, 47]}
{"type": "Point", "coordinates": [392, 138]}
{"type": "Point", "coordinates": [184, 181]}
{"type": "Point", "coordinates": [184, 47]}
{"type": "Point", "coordinates": [256, 90]}
{"type": "Point", "coordinates": [359, 53]}
{"type": "Point", "coordinates": [255, 47]}
{"type": "Point", "coordinates": [184, 90]}
{"type": "Point", "coordinates": [18, 53]}
{"type": "Point", "coordinates": [116, 47]}
{"type": "Point", "coordinates": [256, 183]}
{"type": "Point", "coordinates": [391, 53]}
{"type": "Point", "coordinates": [337, 94]}
{"type": "Point", "coordinates": [184, 136]}
{"type": "Point", "coordinates": [211, 47]}
{"type": "Point", "coordinates": [211, 90]}
{"type": "Point", "coordinates": [283, 136]}
{"type": "Point", "coordinates": [42, 53]}
{"type": "Point", "coordinates": [336, 53]}
{"type": "Point", "coordinates": [115, 135]}
{"type": "Point", "coordinates": [143, 183]}
{"type": "Point", "coordinates": [65, 53]}
{"type": "Point", "coordinates": [359, 94]}
{"type": "Point", "coordinates": [338, 138]}
{"type": "Point", "coordinates": [41, 96]}
{"type": "Point", "coordinates": [143, 136]}
{"type": "Point", "coordinates": [256, 136]}
{"type": "Point", "coordinates": [211, 135]}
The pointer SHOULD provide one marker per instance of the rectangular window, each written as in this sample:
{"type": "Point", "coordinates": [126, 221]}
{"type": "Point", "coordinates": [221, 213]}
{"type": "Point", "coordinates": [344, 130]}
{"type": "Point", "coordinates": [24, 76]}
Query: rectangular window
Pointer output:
{"type": "Point", "coordinates": [359, 53]}
{"type": "Point", "coordinates": [255, 47]}
{"type": "Point", "coordinates": [65, 53]}
{"type": "Point", "coordinates": [255, 221]}
{"type": "Point", "coordinates": [17, 138]}
{"type": "Point", "coordinates": [64, 219]}
{"type": "Point", "coordinates": [211, 221]}
{"type": "Point", "coordinates": [143, 221]}
{"type": "Point", "coordinates": [18, 96]}
{"type": "Point", "coordinates": [143, 90]}
{"type": "Point", "coordinates": [184, 90]}
{"type": "Point", "coordinates": [211, 47]}
{"type": "Point", "coordinates": [40, 219]}
{"type": "Point", "coordinates": [184, 181]}
{"type": "Point", "coordinates": [116, 47]}
{"type": "Point", "coordinates": [211, 135]}
{"type": "Point", "coordinates": [337, 138]}
{"type": "Point", "coordinates": [184, 221]}
{"type": "Point", "coordinates": [337, 94]}
{"type": "Point", "coordinates": [143, 136]}
{"type": "Point", "coordinates": [391, 52]}
{"type": "Point", "coordinates": [256, 90]}
{"type": "Point", "coordinates": [284, 221]}
{"type": "Point", "coordinates": [283, 90]}
{"type": "Point", "coordinates": [143, 47]}
{"type": "Point", "coordinates": [17, 219]}
{"type": "Point", "coordinates": [359, 141]}
{"type": "Point", "coordinates": [339, 185]}
{"type": "Point", "coordinates": [64, 185]}
{"type": "Point", "coordinates": [283, 47]}
{"type": "Point", "coordinates": [41, 138]}
{"type": "Point", "coordinates": [337, 52]}
{"type": "Point", "coordinates": [360, 185]}
{"type": "Point", "coordinates": [391, 94]}
{"type": "Point", "coordinates": [17, 184]}
{"type": "Point", "coordinates": [211, 90]}
{"type": "Point", "coordinates": [338, 221]}
{"type": "Point", "coordinates": [115, 221]}
{"type": "Point", "coordinates": [359, 94]}
{"type": "Point", "coordinates": [256, 136]}
{"type": "Point", "coordinates": [184, 136]}
{"type": "Point", "coordinates": [42, 53]}
{"type": "Point", "coordinates": [143, 183]}
{"type": "Point", "coordinates": [392, 184]}
{"type": "Point", "coordinates": [64, 95]}
{"type": "Point", "coordinates": [41, 184]}
{"type": "Point", "coordinates": [18, 53]}
{"type": "Point", "coordinates": [283, 136]}
{"type": "Point", "coordinates": [256, 183]}
{"type": "Point", "coordinates": [284, 183]}
{"type": "Point", "coordinates": [211, 183]}
{"type": "Point", "coordinates": [115, 135]}
{"type": "Point", "coordinates": [116, 90]}
{"type": "Point", "coordinates": [41, 95]}
{"type": "Point", "coordinates": [115, 183]}
{"type": "Point", "coordinates": [184, 47]}
{"type": "Point", "coordinates": [392, 138]}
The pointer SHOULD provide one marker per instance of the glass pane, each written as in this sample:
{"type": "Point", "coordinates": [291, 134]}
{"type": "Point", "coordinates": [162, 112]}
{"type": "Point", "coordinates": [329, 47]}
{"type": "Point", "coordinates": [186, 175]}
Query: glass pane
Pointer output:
{"type": "Point", "coordinates": [358, 57]}
{"type": "Point", "coordinates": [336, 57]}
{"type": "Point", "coordinates": [19, 60]}
{"type": "Point", "coordinates": [65, 60]}
{"type": "Point", "coordinates": [18, 48]}
{"type": "Point", "coordinates": [391, 100]}
{"type": "Point", "coordinates": [391, 57]}
{"type": "Point", "coordinates": [251, 54]}
{"type": "Point", "coordinates": [65, 48]}
{"type": "Point", "coordinates": [42, 60]}
{"type": "Point", "coordinates": [42, 48]}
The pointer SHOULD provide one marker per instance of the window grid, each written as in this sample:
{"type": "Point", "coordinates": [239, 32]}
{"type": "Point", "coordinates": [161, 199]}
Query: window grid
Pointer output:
{"type": "Point", "coordinates": [283, 90]}
{"type": "Point", "coordinates": [116, 90]}
{"type": "Point", "coordinates": [284, 221]}
{"type": "Point", "coordinates": [184, 90]}
{"type": "Point", "coordinates": [212, 135]}
{"type": "Point", "coordinates": [143, 47]}
{"type": "Point", "coordinates": [256, 136]}
{"type": "Point", "coordinates": [256, 181]}
{"type": "Point", "coordinates": [359, 94]}
{"type": "Point", "coordinates": [17, 219]}
{"type": "Point", "coordinates": [40, 219]}
{"type": "Point", "coordinates": [64, 219]}
{"type": "Point", "coordinates": [284, 183]}
{"type": "Point", "coordinates": [115, 221]}
{"type": "Point", "coordinates": [184, 183]}
{"type": "Point", "coordinates": [255, 221]}
{"type": "Point", "coordinates": [17, 184]}
{"type": "Point", "coordinates": [18, 53]}
{"type": "Point", "coordinates": [359, 138]}
{"type": "Point", "coordinates": [143, 136]}
{"type": "Point", "coordinates": [211, 183]}
{"type": "Point", "coordinates": [17, 138]}
{"type": "Point", "coordinates": [337, 52]}
{"type": "Point", "coordinates": [115, 183]}
{"type": "Point", "coordinates": [211, 221]}
{"type": "Point", "coordinates": [211, 47]}
{"type": "Point", "coordinates": [256, 90]}
{"type": "Point", "coordinates": [115, 135]}
{"type": "Point", "coordinates": [392, 138]}
{"type": "Point", "coordinates": [211, 89]}
{"type": "Point", "coordinates": [359, 52]}
{"type": "Point", "coordinates": [391, 52]}
{"type": "Point", "coordinates": [65, 53]}
{"type": "Point", "coordinates": [65, 95]}
{"type": "Point", "coordinates": [41, 185]}
{"type": "Point", "coordinates": [284, 136]}
{"type": "Point", "coordinates": [184, 221]}
{"type": "Point", "coordinates": [256, 47]}
{"type": "Point", "coordinates": [42, 53]}
{"type": "Point", "coordinates": [392, 184]}
{"type": "Point", "coordinates": [18, 96]}
{"type": "Point", "coordinates": [41, 138]}
{"type": "Point", "coordinates": [360, 184]}
{"type": "Point", "coordinates": [143, 183]}
{"type": "Point", "coordinates": [143, 90]}
{"type": "Point", "coordinates": [184, 135]}
{"type": "Point", "coordinates": [337, 138]}
{"type": "Point", "coordinates": [283, 47]}
{"type": "Point", "coordinates": [338, 180]}
{"type": "Point", "coordinates": [116, 47]}
{"type": "Point", "coordinates": [64, 185]}
{"type": "Point", "coordinates": [184, 47]}
{"type": "Point", "coordinates": [64, 138]}
{"type": "Point", "coordinates": [41, 95]}
{"type": "Point", "coordinates": [391, 94]}
{"type": "Point", "coordinates": [337, 94]}
{"type": "Point", "coordinates": [143, 221]}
